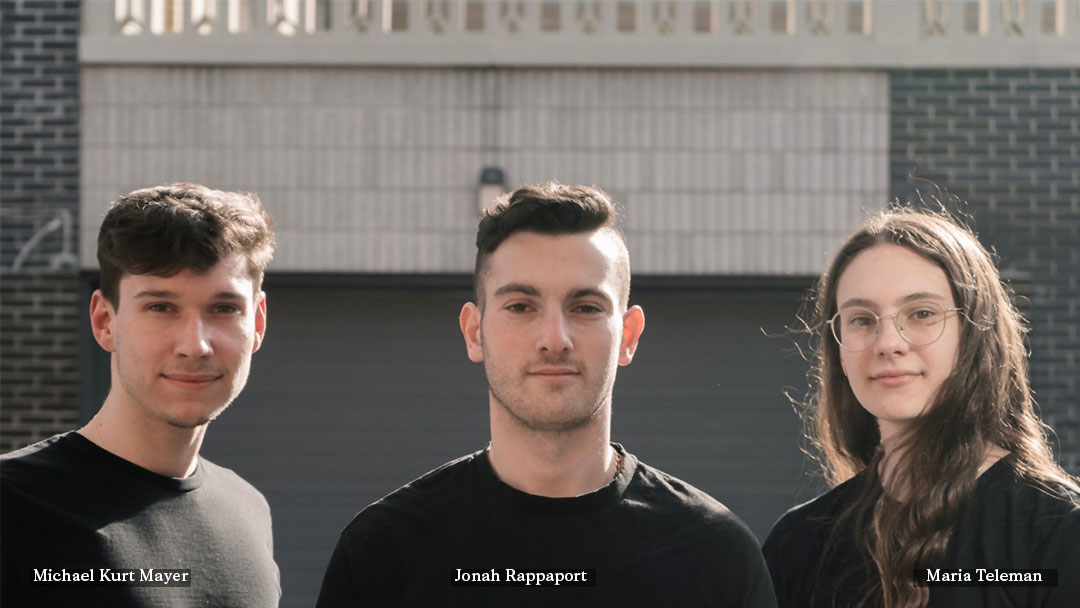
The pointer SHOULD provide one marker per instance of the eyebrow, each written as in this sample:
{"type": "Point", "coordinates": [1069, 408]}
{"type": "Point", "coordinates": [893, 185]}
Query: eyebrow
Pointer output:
{"type": "Point", "coordinates": [529, 290]}
{"type": "Point", "coordinates": [172, 295]}
{"type": "Point", "coordinates": [586, 292]}
{"type": "Point", "coordinates": [521, 288]}
{"type": "Point", "coordinates": [914, 297]}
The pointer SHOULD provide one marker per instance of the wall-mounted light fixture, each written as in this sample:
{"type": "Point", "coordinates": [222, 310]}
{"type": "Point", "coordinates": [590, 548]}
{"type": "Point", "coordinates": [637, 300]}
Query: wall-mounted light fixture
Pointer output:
{"type": "Point", "coordinates": [491, 186]}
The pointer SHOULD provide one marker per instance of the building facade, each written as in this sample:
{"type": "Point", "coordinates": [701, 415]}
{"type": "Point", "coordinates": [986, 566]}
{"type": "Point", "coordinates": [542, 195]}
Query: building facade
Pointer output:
{"type": "Point", "coordinates": [743, 139]}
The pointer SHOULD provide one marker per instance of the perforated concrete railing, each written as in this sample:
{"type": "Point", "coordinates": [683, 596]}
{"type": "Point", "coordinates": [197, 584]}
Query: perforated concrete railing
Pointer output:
{"type": "Point", "coordinates": [822, 33]}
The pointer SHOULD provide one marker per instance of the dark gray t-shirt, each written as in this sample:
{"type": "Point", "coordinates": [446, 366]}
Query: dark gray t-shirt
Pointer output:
{"type": "Point", "coordinates": [1008, 524]}
{"type": "Point", "coordinates": [69, 507]}
{"type": "Point", "coordinates": [651, 539]}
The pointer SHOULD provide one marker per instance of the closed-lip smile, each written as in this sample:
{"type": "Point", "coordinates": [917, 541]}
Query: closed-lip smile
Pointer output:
{"type": "Point", "coordinates": [193, 380]}
{"type": "Point", "coordinates": [894, 377]}
{"type": "Point", "coordinates": [894, 373]}
{"type": "Point", "coordinates": [553, 371]}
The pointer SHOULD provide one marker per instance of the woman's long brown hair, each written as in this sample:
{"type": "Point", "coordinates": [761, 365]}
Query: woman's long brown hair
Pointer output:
{"type": "Point", "coordinates": [986, 400]}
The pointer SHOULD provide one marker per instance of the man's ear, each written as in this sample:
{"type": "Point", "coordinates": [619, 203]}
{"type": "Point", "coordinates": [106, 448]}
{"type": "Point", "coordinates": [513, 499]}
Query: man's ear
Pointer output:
{"type": "Point", "coordinates": [102, 315]}
{"type": "Point", "coordinates": [633, 323]}
{"type": "Point", "coordinates": [260, 321]}
{"type": "Point", "coordinates": [470, 329]}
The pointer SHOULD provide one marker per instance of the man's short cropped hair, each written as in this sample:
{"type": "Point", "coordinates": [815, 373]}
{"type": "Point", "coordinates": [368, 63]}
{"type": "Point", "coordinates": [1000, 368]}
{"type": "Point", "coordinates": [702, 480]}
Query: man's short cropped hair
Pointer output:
{"type": "Point", "coordinates": [549, 208]}
{"type": "Point", "coordinates": [165, 230]}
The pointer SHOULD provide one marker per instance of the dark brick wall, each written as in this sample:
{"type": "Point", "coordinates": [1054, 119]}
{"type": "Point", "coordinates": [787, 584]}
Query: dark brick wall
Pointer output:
{"type": "Point", "coordinates": [1008, 143]}
{"type": "Point", "coordinates": [39, 182]}
{"type": "Point", "coordinates": [39, 334]}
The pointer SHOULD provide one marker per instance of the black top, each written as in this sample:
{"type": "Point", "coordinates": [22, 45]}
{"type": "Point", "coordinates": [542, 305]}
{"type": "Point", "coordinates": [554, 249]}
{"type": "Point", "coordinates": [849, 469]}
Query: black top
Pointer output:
{"type": "Point", "coordinates": [652, 540]}
{"type": "Point", "coordinates": [69, 507]}
{"type": "Point", "coordinates": [1009, 524]}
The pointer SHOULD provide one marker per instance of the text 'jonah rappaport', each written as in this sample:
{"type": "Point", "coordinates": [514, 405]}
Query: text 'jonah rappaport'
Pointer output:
{"type": "Point", "coordinates": [513, 577]}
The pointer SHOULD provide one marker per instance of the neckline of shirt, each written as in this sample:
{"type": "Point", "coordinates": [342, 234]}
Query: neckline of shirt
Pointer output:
{"type": "Point", "coordinates": [99, 456]}
{"type": "Point", "coordinates": [516, 500]}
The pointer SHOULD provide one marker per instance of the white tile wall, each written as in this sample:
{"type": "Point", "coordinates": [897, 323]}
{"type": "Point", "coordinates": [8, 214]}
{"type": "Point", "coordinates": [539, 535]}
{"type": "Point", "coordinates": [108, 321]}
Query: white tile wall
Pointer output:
{"type": "Point", "coordinates": [374, 170]}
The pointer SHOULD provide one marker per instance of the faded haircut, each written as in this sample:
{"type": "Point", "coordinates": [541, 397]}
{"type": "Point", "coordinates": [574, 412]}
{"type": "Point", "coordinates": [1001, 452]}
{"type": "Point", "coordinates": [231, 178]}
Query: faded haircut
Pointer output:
{"type": "Point", "coordinates": [549, 208]}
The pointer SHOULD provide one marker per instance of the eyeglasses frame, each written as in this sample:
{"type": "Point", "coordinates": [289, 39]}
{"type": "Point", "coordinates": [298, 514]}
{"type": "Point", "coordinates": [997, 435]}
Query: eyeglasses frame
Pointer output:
{"type": "Point", "coordinates": [877, 332]}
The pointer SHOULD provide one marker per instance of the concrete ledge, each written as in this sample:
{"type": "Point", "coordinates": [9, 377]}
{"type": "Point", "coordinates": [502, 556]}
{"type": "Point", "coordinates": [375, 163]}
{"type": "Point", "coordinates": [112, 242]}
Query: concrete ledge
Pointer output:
{"type": "Point", "coordinates": [537, 51]}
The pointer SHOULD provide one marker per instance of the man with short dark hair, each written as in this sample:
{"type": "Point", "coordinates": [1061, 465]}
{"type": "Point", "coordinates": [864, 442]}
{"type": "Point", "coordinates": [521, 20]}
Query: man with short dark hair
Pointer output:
{"type": "Point", "coordinates": [551, 512]}
{"type": "Point", "coordinates": [124, 512]}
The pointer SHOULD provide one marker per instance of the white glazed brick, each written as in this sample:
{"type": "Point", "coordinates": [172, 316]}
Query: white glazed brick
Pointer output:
{"type": "Point", "coordinates": [374, 169]}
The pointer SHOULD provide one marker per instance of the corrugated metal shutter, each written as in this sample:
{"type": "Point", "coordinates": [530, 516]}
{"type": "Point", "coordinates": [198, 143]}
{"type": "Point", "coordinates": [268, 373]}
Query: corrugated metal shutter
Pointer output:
{"type": "Point", "coordinates": [359, 390]}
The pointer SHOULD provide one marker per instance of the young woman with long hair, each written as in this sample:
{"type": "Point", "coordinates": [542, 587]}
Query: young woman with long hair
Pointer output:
{"type": "Point", "coordinates": [925, 425]}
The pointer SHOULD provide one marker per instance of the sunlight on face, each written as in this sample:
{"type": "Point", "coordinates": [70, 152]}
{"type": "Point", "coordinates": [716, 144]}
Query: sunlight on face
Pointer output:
{"type": "Point", "coordinates": [182, 345]}
{"type": "Point", "coordinates": [892, 379]}
{"type": "Point", "coordinates": [552, 331]}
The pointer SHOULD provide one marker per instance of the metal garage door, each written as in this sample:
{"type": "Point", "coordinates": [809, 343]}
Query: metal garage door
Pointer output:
{"type": "Point", "coordinates": [359, 389]}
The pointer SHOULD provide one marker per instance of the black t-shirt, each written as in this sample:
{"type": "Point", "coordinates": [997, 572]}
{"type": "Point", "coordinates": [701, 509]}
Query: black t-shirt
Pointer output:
{"type": "Point", "coordinates": [651, 539]}
{"type": "Point", "coordinates": [69, 507]}
{"type": "Point", "coordinates": [1009, 524]}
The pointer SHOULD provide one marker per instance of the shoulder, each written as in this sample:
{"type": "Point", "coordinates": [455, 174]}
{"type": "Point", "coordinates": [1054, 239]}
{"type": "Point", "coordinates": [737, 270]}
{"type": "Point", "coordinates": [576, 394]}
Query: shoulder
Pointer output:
{"type": "Point", "coordinates": [1051, 497]}
{"type": "Point", "coordinates": [36, 453]}
{"type": "Point", "coordinates": [700, 535]}
{"type": "Point", "coordinates": [812, 518]}
{"type": "Point", "coordinates": [681, 506]}
{"type": "Point", "coordinates": [52, 459]}
{"type": "Point", "coordinates": [419, 504]}
{"type": "Point", "coordinates": [32, 475]}
{"type": "Point", "coordinates": [222, 481]}
{"type": "Point", "coordinates": [391, 536]}
{"type": "Point", "coordinates": [1048, 509]}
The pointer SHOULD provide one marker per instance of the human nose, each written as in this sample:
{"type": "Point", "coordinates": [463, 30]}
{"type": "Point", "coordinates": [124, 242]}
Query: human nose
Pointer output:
{"type": "Point", "coordinates": [194, 338]}
{"type": "Point", "coordinates": [889, 338]}
{"type": "Point", "coordinates": [554, 333]}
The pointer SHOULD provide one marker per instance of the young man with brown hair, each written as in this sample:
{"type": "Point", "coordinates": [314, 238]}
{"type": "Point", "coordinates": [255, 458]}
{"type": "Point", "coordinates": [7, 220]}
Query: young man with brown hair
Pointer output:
{"type": "Point", "coordinates": [551, 512]}
{"type": "Point", "coordinates": [124, 512]}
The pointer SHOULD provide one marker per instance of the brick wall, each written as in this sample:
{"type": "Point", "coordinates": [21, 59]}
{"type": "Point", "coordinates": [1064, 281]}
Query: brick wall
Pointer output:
{"type": "Point", "coordinates": [39, 219]}
{"type": "Point", "coordinates": [40, 342]}
{"type": "Point", "coordinates": [1008, 143]}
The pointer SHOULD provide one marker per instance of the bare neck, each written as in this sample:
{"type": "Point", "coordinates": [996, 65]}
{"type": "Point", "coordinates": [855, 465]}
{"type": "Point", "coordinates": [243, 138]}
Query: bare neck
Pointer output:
{"type": "Point", "coordinates": [128, 431]}
{"type": "Point", "coordinates": [895, 449]}
{"type": "Point", "coordinates": [555, 465]}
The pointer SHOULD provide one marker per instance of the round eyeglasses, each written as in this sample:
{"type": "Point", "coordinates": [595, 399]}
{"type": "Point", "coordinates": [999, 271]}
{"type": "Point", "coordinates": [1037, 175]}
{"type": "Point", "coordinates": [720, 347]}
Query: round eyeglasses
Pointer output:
{"type": "Point", "coordinates": [919, 323]}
